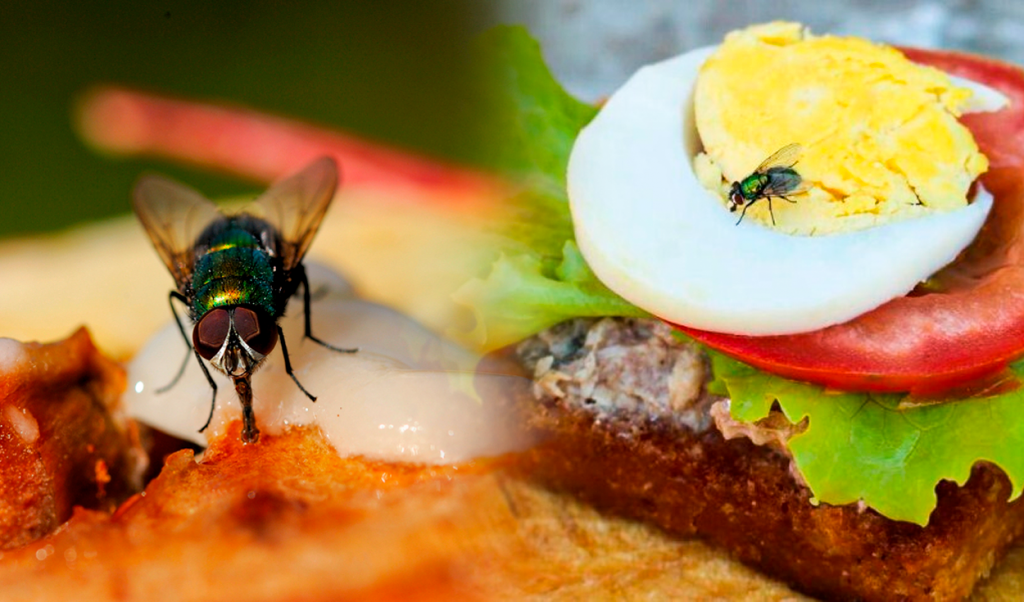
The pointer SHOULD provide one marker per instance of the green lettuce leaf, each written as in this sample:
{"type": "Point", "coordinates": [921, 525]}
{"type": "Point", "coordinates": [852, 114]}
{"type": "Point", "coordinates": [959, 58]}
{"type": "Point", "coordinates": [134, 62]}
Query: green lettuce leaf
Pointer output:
{"type": "Point", "coordinates": [522, 296]}
{"type": "Point", "coordinates": [861, 446]}
{"type": "Point", "coordinates": [533, 121]}
{"type": "Point", "coordinates": [539, 277]}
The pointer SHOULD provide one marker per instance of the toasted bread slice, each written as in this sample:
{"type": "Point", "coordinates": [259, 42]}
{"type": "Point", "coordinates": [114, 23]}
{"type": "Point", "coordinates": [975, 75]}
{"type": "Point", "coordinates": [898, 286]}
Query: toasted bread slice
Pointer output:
{"type": "Point", "coordinates": [637, 458]}
{"type": "Point", "coordinates": [63, 439]}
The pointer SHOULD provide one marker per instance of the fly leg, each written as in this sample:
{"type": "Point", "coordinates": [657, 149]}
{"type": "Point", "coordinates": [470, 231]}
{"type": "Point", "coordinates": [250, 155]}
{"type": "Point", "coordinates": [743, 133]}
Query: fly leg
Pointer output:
{"type": "Point", "coordinates": [188, 344]}
{"type": "Point", "coordinates": [288, 363]}
{"type": "Point", "coordinates": [308, 334]}
{"type": "Point", "coordinates": [250, 434]}
{"type": "Point", "coordinates": [213, 385]}
{"type": "Point", "coordinates": [308, 322]}
{"type": "Point", "coordinates": [747, 206]}
{"type": "Point", "coordinates": [772, 213]}
{"type": "Point", "coordinates": [213, 400]}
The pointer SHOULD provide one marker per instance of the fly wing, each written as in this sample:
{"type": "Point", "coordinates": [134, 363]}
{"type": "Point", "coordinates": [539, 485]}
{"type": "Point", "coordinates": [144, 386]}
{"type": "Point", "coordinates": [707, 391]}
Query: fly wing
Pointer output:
{"type": "Point", "coordinates": [173, 216]}
{"type": "Point", "coordinates": [783, 181]}
{"type": "Point", "coordinates": [787, 156]}
{"type": "Point", "coordinates": [296, 206]}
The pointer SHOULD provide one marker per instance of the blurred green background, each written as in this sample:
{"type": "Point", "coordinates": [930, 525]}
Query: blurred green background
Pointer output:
{"type": "Point", "coordinates": [393, 71]}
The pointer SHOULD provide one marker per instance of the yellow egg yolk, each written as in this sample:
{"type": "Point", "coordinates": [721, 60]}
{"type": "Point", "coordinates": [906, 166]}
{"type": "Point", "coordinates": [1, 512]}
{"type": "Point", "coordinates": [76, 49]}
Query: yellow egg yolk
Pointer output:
{"type": "Point", "coordinates": [879, 134]}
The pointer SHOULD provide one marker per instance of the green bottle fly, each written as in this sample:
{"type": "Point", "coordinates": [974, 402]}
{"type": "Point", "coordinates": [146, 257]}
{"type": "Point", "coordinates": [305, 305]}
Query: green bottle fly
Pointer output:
{"type": "Point", "coordinates": [236, 273]}
{"type": "Point", "coordinates": [773, 178]}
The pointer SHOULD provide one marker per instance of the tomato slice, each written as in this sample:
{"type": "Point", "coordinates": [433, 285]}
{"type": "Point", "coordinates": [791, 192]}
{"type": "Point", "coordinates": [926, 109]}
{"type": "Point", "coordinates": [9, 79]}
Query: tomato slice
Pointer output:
{"type": "Point", "coordinates": [968, 323]}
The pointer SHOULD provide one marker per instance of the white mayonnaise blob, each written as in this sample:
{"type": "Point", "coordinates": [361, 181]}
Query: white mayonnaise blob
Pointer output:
{"type": "Point", "coordinates": [11, 354]}
{"type": "Point", "coordinates": [407, 395]}
{"type": "Point", "coordinates": [24, 423]}
{"type": "Point", "coordinates": [654, 235]}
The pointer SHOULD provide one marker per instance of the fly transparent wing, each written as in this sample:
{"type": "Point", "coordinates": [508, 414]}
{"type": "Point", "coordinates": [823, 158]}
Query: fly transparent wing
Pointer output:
{"type": "Point", "coordinates": [296, 206]}
{"type": "Point", "coordinates": [173, 216]}
{"type": "Point", "coordinates": [787, 156]}
{"type": "Point", "coordinates": [783, 181]}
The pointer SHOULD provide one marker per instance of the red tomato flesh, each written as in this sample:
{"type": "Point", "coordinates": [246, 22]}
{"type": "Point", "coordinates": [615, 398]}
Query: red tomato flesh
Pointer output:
{"type": "Point", "coordinates": [968, 323]}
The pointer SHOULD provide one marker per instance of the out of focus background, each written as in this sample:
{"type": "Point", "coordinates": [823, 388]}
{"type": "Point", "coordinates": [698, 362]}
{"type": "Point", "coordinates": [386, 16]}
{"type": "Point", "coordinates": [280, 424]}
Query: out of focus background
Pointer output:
{"type": "Point", "coordinates": [593, 45]}
{"type": "Point", "coordinates": [394, 71]}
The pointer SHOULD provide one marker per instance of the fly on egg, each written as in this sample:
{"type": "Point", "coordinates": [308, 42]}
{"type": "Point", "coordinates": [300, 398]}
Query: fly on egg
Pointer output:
{"type": "Point", "coordinates": [883, 182]}
{"type": "Point", "coordinates": [879, 135]}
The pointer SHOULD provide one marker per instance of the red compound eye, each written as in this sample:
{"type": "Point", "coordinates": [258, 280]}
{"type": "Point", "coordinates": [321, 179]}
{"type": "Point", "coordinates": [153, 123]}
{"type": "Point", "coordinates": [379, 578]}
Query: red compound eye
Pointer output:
{"type": "Point", "coordinates": [257, 329]}
{"type": "Point", "coordinates": [209, 334]}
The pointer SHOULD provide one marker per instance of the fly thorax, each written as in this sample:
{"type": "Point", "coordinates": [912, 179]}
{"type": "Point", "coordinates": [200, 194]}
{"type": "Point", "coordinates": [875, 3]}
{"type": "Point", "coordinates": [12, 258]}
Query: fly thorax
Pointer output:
{"type": "Point", "coordinates": [234, 274]}
{"type": "Point", "coordinates": [753, 185]}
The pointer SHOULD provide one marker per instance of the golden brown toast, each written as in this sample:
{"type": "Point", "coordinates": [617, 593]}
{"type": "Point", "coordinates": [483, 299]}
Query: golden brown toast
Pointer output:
{"type": "Point", "coordinates": [631, 455]}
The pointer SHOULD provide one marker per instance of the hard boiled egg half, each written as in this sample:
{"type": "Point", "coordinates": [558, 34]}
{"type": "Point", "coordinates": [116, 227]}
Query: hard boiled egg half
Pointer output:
{"type": "Point", "coordinates": [666, 242]}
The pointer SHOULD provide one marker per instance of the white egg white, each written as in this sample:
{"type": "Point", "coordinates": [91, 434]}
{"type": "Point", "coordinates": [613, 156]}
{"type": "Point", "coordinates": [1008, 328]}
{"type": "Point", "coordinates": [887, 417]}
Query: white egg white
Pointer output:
{"type": "Point", "coordinates": [407, 395]}
{"type": "Point", "coordinates": [663, 242]}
